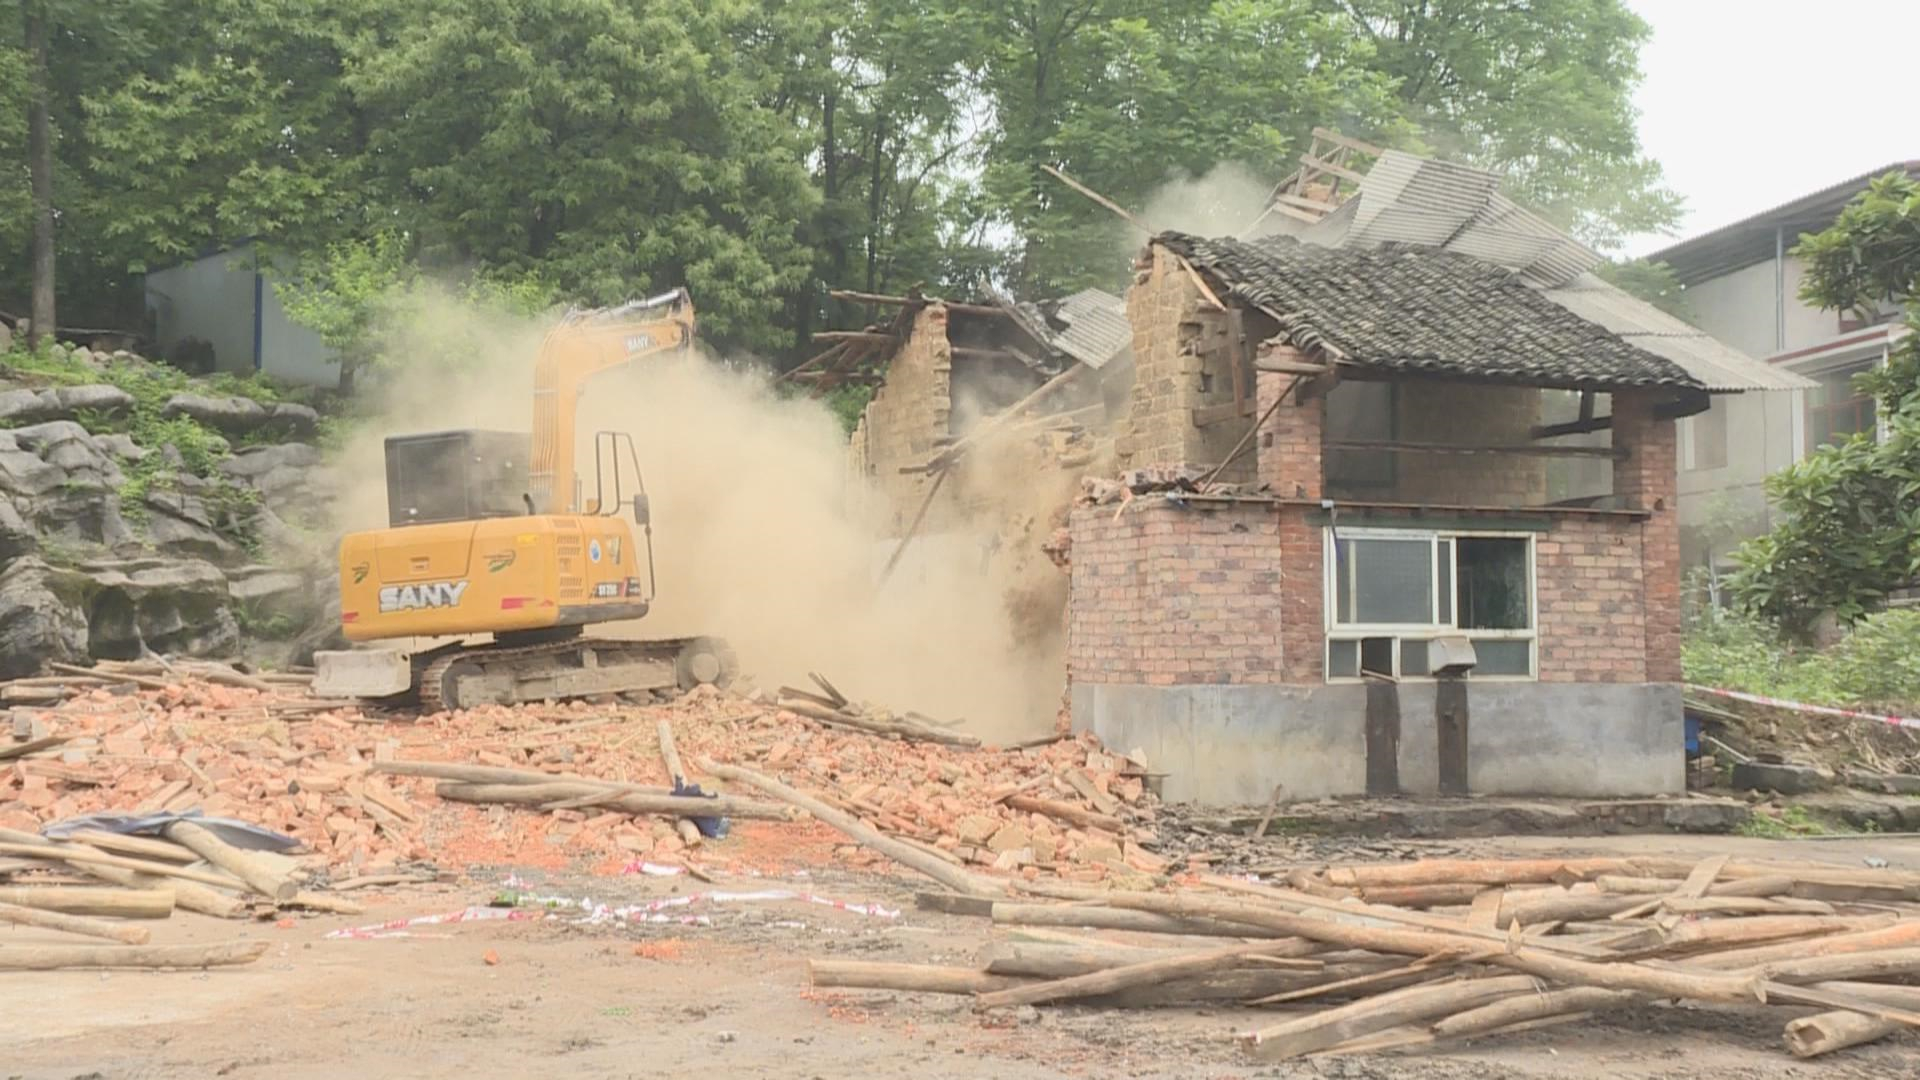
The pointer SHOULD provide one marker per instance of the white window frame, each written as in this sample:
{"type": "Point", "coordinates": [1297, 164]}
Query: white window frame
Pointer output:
{"type": "Point", "coordinates": [1336, 631]}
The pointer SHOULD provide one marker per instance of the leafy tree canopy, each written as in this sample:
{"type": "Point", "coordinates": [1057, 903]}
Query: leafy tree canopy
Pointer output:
{"type": "Point", "coordinates": [1851, 533]}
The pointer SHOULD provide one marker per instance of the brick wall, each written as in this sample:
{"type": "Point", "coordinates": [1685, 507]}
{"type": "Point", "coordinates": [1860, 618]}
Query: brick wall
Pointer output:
{"type": "Point", "coordinates": [908, 417]}
{"type": "Point", "coordinates": [1647, 479]}
{"type": "Point", "coordinates": [1163, 595]}
{"type": "Point", "coordinates": [1288, 447]}
{"type": "Point", "coordinates": [1182, 359]}
{"type": "Point", "coordinates": [1592, 602]}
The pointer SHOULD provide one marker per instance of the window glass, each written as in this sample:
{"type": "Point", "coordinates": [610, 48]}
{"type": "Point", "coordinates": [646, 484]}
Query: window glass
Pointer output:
{"type": "Point", "coordinates": [1392, 582]}
{"type": "Point", "coordinates": [1444, 575]}
{"type": "Point", "coordinates": [1836, 410]}
{"type": "Point", "coordinates": [1413, 658]}
{"type": "Point", "coordinates": [1493, 583]}
{"type": "Point", "coordinates": [1501, 656]}
{"type": "Point", "coordinates": [1343, 659]}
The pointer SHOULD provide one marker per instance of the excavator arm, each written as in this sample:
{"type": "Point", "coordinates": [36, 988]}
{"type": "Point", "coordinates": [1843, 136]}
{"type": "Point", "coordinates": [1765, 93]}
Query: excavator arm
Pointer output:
{"type": "Point", "coordinates": [584, 344]}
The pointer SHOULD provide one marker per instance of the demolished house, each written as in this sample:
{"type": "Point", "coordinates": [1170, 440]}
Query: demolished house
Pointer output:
{"type": "Point", "coordinates": [1450, 561]}
{"type": "Point", "coordinates": [1396, 499]}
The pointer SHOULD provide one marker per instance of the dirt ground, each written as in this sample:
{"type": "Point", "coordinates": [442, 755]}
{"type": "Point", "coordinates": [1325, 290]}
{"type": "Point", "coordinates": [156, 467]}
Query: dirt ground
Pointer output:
{"type": "Point", "coordinates": [622, 999]}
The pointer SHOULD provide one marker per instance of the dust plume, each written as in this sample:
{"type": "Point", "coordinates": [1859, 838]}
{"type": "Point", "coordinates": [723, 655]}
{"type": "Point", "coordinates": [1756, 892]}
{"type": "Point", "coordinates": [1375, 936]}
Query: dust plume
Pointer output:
{"type": "Point", "coordinates": [762, 534]}
{"type": "Point", "coordinates": [1220, 203]}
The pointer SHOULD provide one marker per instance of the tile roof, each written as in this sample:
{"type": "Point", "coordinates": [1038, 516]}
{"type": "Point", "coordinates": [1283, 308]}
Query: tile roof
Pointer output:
{"type": "Point", "coordinates": [1421, 309]}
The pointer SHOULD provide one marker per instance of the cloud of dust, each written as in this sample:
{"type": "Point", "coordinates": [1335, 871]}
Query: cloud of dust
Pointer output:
{"type": "Point", "coordinates": [762, 534]}
{"type": "Point", "coordinates": [1221, 203]}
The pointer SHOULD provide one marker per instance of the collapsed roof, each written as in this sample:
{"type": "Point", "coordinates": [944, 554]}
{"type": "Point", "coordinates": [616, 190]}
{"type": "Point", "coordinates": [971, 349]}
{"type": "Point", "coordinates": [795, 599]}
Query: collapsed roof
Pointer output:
{"type": "Point", "coordinates": [1408, 199]}
{"type": "Point", "coordinates": [1399, 307]}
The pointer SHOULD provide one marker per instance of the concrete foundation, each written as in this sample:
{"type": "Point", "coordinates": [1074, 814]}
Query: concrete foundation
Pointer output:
{"type": "Point", "coordinates": [1225, 745]}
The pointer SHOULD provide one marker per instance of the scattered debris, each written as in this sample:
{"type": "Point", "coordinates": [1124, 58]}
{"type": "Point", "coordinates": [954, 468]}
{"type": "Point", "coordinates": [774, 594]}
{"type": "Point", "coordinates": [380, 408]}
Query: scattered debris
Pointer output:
{"type": "Point", "coordinates": [1402, 955]}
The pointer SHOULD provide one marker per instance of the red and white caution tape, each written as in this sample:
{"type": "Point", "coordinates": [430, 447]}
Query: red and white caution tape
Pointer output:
{"type": "Point", "coordinates": [399, 927]}
{"type": "Point", "coordinates": [1798, 706]}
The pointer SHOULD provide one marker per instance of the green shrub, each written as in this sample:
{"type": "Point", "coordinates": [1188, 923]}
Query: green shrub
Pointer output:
{"type": "Point", "coordinates": [1877, 664]}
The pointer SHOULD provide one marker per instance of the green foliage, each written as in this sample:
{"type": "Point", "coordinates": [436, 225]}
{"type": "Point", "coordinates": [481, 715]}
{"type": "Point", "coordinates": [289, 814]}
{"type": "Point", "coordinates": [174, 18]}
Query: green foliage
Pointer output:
{"type": "Point", "coordinates": [1876, 665]}
{"type": "Point", "coordinates": [1851, 528]}
{"type": "Point", "coordinates": [200, 449]}
{"type": "Point", "coordinates": [848, 403]}
{"type": "Point", "coordinates": [1654, 282]}
{"type": "Point", "coordinates": [1793, 821]}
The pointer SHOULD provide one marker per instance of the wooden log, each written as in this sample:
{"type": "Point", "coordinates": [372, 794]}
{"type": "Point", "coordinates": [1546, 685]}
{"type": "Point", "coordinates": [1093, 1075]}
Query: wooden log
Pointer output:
{"type": "Point", "coordinates": [1146, 973]}
{"type": "Point", "coordinates": [143, 847]}
{"type": "Point", "coordinates": [670, 755]}
{"type": "Point", "coordinates": [262, 879]}
{"type": "Point", "coordinates": [1725, 933]}
{"type": "Point", "coordinates": [488, 774]}
{"type": "Point", "coordinates": [1529, 1005]}
{"type": "Point", "coordinates": [543, 795]}
{"type": "Point", "coordinates": [1374, 980]}
{"type": "Point", "coordinates": [1062, 961]}
{"type": "Point", "coordinates": [80, 853]}
{"type": "Point", "coordinates": [910, 732]}
{"type": "Point", "coordinates": [186, 894]}
{"type": "Point", "coordinates": [1747, 905]}
{"type": "Point", "coordinates": [1870, 965]}
{"type": "Point", "coordinates": [1531, 959]}
{"type": "Point", "coordinates": [31, 746]}
{"type": "Point", "coordinates": [1106, 918]}
{"type": "Point", "coordinates": [1067, 812]}
{"type": "Point", "coordinates": [1824, 1033]}
{"type": "Point", "coordinates": [55, 957]}
{"type": "Point", "coordinates": [1898, 936]}
{"type": "Point", "coordinates": [315, 901]}
{"type": "Point", "coordinates": [1292, 900]}
{"type": "Point", "coordinates": [1695, 885]}
{"type": "Point", "coordinates": [117, 676]}
{"type": "Point", "coordinates": [1477, 871]}
{"type": "Point", "coordinates": [1811, 1036]}
{"type": "Point", "coordinates": [1424, 896]}
{"type": "Point", "coordinates": [1413, 1004]}
{"type": "Point", "coordinates": [917, 978]}
{"type": "Point", "coordinates": [955, 904]}
{"type": "Point", "coordinates": [74, 924]}
{"type": "Point", "coordinates": [1568, 907]}
{"type": "Point", "coordinates": [91, 900]}
{"type": "Point", "coordinates": [952, 877]}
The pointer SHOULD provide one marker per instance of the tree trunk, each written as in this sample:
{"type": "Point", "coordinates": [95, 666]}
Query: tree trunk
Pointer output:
{"type": "Point", "coordinates": [75, 924]}
{"type": "Point", "coordinates": [1145, 973]}
{"type": "Point", "coordinates": [40, 172]}
{"type": "Point", "coordinates": [54, 957]}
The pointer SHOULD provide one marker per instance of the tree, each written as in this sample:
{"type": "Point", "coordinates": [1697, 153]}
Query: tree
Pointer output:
{"type": "Point", "coordinates": [611, 147]}
{"type": "Point", "coordinates": [39, 169]}
{"type": "Point", "coordinates": [1541, 91]}
{"type": "Point", "coordinates": [1851, 533]}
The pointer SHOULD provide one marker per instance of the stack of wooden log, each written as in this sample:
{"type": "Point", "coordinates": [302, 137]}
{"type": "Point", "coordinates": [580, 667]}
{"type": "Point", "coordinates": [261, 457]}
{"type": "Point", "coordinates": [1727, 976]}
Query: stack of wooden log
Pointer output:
{"type": "Point", "coordinates": [834, 709]}
{"type": "Point", "coordinates": [66, 681]}
{"type": "Point", "coordinates": [88, 884]}
{"type": "Point", "coordinates": [1377, 957]}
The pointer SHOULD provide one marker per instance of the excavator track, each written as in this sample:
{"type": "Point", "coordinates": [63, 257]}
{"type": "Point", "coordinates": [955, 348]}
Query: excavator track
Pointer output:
{"type": "Point", "coordinates": [465, 676]}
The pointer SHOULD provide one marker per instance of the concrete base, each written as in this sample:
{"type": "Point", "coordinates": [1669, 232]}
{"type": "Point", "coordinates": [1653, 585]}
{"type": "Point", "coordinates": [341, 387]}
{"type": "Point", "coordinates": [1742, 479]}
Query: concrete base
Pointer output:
{"type": "Point", "coordinates": [1229, 745]}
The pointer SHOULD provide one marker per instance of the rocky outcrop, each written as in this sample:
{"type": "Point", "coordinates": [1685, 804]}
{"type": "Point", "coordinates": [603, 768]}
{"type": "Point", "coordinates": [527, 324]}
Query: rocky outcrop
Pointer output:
{"type": "Point", "coordinates": [42, 617]}
{"type": "Point", "coordinates": [62, 403]}
{"type": "Point", "coordinates": [243, 416]}
{"type": "Point", "coordinates": [92, 565]}
{"type": "Point", "coordinates": [158, 605]}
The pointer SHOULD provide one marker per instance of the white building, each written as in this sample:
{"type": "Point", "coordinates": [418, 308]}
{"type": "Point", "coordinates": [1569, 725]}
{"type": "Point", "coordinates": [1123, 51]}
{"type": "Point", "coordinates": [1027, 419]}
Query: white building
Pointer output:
{"type": "Point", "coordinates": [225, 300]}
{"type": "Point", "coordinates": [1744, 286]}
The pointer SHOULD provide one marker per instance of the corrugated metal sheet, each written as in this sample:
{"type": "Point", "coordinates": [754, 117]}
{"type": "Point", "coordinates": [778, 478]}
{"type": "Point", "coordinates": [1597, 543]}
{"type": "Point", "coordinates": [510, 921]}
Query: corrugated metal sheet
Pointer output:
{"type": "Point", "coordinates": [1096, 327]}
{"type": "Point", "coordinates": [1720, 367]}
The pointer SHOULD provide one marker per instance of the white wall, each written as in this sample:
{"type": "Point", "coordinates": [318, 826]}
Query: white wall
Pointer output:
{"type": "Point", "coordinates": [210, 299]}
{"type": "Point", "coordinates": [213, 299]}
{"type": "Point", "coordinates": [1738, 308]}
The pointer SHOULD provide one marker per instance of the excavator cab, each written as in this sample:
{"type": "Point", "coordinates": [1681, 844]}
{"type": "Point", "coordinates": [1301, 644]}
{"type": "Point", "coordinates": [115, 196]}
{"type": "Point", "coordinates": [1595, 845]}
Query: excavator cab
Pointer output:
{"type": "Point", "coordinates": [456, 476]}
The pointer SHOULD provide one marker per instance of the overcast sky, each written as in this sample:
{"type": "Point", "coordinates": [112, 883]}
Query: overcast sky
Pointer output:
{"type": "Point", "coordinates": [1750, 103]}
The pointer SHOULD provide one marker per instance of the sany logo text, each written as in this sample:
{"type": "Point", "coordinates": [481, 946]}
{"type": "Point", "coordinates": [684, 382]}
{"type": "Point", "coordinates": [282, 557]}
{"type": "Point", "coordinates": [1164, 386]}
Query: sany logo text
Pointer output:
{"type": "Point", "coordinates": [434, 594]}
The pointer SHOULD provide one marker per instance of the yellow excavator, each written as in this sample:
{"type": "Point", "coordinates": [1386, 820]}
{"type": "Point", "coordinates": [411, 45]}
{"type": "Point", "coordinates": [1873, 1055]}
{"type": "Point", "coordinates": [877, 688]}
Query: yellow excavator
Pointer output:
{"type": "Point", "coordinates": [493, 533]}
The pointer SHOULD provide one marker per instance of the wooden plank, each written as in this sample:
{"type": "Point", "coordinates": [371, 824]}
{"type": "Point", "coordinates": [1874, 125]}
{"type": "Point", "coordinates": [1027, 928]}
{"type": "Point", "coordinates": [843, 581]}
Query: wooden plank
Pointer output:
{"type": "Point", "coordinates": [1325, 166]}
{"type": "Point", "coordinates": [1292, 367]}
{"type": "Point", "coordinates": [1347, 141]}
{"type": "Point", "coordinates": [871, 336]}
{"type": "Point", "coordinates": [31, 746]}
